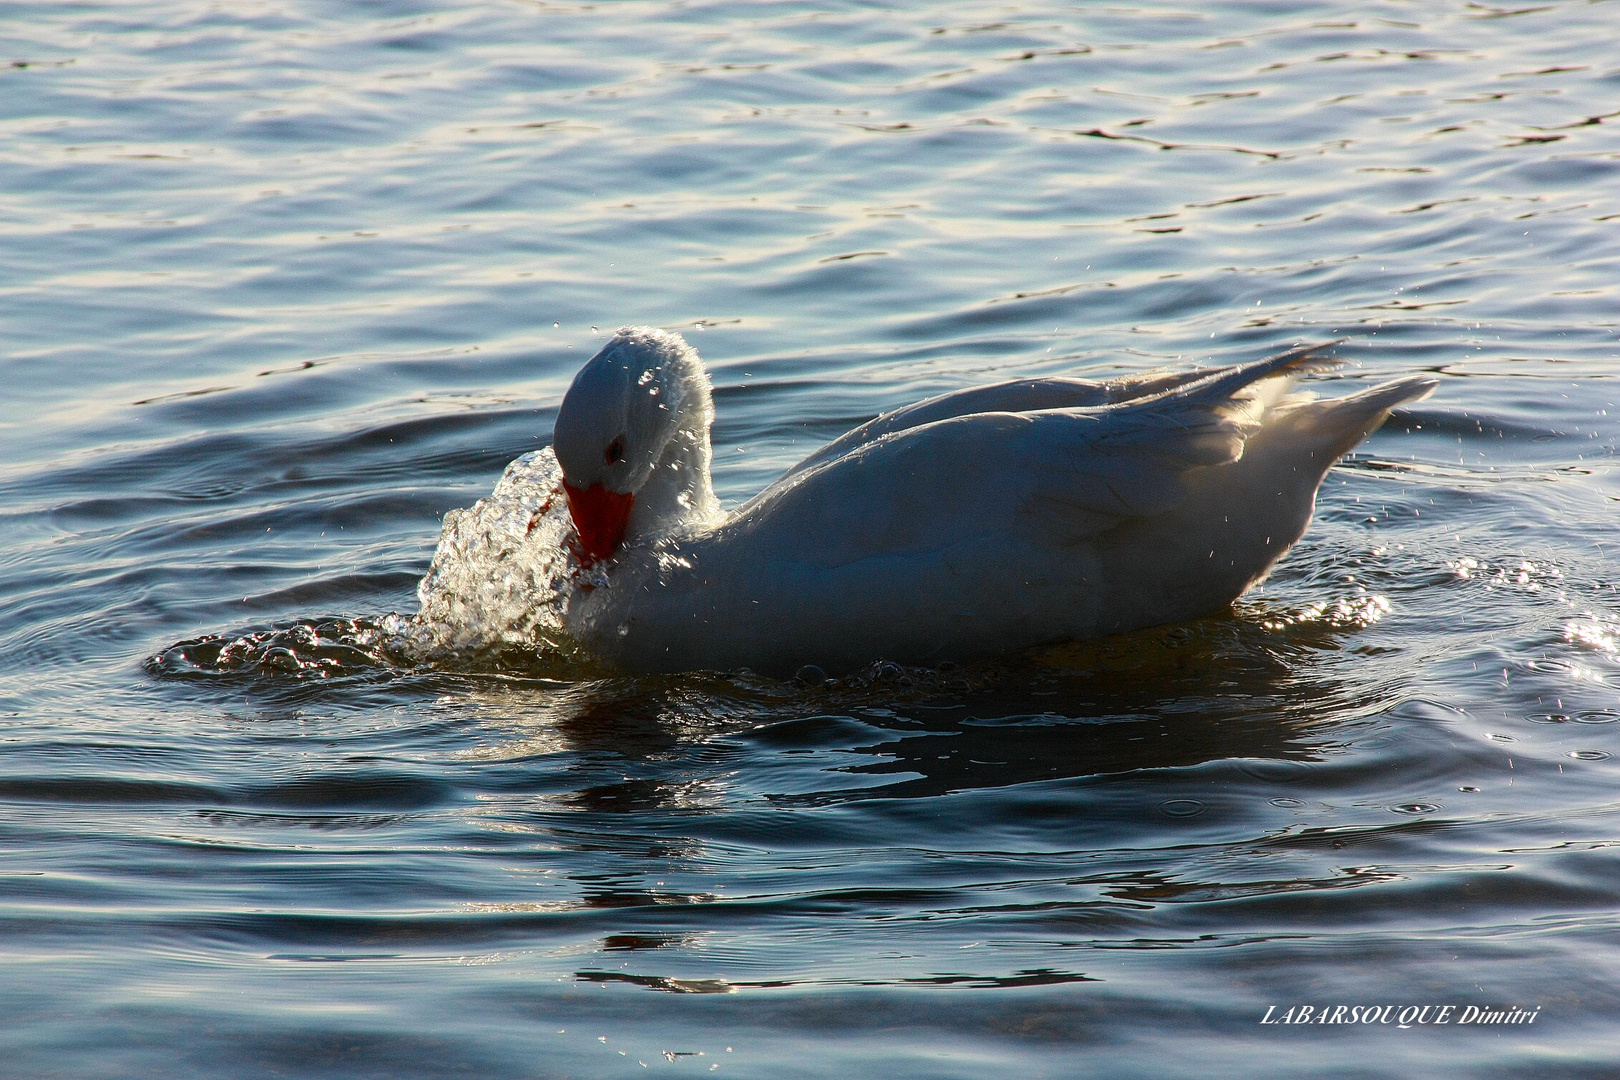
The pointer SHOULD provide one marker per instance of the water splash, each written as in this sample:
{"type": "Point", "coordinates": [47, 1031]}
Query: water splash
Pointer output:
{"type": "Point", "coordinates": [493, 599]}
{"type": "Point", "coordinates": [500, 580]}
{"type": "Point", "coordinates": [1341, 613]}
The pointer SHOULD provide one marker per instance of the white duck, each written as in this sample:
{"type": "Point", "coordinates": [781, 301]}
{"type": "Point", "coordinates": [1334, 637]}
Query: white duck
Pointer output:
{"type": "Point", "coordinates": [978, 522]}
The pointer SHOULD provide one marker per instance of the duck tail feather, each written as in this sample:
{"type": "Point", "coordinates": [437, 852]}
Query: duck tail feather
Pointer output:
{"type": "Point", "coordinates": [1343, 422]}
{"type": "Point", "coordinates": [1227, 381]}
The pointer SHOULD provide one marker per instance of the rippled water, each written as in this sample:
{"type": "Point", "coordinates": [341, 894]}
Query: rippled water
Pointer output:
{"type": "Point", "coordinates": [281, 283]}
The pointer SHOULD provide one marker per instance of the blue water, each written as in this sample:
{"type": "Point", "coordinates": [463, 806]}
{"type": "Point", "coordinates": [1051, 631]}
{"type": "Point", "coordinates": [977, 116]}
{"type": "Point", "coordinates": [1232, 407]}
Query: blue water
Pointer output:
{"type": "Point", "coordinates": [282, 282]}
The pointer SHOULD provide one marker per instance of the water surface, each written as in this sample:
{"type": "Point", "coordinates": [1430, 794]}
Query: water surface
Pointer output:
{"type": "Point", "coordinates": [282, 283]}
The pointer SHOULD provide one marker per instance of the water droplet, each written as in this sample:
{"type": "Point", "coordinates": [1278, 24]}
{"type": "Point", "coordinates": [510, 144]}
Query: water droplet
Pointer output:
{"type": "Point", "coordinates": [1549, 718]}
{"type": "Point", "coordinates": [1598, 716]}
{"type": "Point", "coordinates": [1416, 808]}
{"type": "Point", "coordinates": [1589, 755]}
{"type": "Point", "coordinates": [1183, 807]}
{"type": "Point", "coordinates": [1468, 787]}
{"type": "Point", "coordinates": [1287, 804]}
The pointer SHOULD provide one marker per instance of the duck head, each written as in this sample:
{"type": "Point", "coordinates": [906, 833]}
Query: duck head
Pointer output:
{"type": "Point", "coordinates": [632, 438]}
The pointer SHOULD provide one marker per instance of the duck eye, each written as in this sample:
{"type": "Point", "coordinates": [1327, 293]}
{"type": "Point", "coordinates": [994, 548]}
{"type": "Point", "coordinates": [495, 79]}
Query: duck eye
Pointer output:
{"type": "Point", "coordinates": [615, 451]}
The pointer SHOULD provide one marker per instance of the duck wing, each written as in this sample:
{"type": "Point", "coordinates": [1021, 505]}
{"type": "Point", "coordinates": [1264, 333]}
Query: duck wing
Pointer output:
{"type": "Point", "coordinates": [1139, 460]}
{"type": "Point", "coordinates": [1053, 475]}
{"type": "Point", "coordinates": [1013, 396]}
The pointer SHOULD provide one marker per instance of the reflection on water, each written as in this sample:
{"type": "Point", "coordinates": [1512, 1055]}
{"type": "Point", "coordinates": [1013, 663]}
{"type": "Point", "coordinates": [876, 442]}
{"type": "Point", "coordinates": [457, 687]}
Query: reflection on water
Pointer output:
{"type": "Point", "coordinates": [285, 283]}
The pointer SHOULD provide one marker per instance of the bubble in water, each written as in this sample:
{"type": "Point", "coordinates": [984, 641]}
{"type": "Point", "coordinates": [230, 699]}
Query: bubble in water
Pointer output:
{"type": "Point", "coordinates": [1526, 575]}
{"type": "Point", "coordinates": [1343, 613]}
{"type": "Point", "coordinates": [313, 649]}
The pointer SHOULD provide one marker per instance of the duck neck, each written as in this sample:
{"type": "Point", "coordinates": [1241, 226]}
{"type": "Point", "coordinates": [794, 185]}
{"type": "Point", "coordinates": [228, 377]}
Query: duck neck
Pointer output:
{"type": "Point", "coordinates": [678, 494]}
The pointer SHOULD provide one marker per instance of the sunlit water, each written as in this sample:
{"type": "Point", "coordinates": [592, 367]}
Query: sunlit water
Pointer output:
{"type": "Point", "coordinates": [282, 283]}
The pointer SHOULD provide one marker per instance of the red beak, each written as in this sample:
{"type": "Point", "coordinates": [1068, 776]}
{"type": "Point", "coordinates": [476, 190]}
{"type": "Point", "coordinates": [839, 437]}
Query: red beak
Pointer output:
{"type": "Point", "coordinates": [600, 517]}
